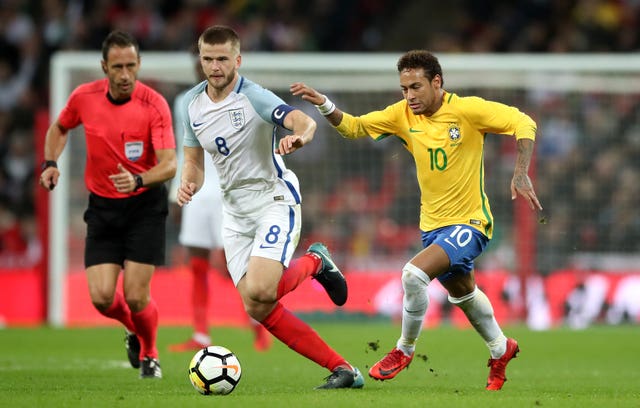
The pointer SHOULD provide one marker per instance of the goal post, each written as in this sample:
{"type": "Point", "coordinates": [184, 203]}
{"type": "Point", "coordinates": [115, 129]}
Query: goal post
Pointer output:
{"type": "Point", "coordinates": [361, 81]}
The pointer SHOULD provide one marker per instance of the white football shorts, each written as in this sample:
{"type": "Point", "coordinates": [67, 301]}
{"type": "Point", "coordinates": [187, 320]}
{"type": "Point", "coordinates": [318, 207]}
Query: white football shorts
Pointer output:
{"type": "Point", "coordinates": [270, 231]}
{"type": "Point", "coordinates": [201, 224]}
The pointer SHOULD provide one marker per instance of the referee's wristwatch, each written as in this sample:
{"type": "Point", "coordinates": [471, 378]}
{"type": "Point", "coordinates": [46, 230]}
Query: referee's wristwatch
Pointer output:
{"type": "Point", "coordinates": [48, 163]}
{"type": "Point", "coordinates": [138, 179]}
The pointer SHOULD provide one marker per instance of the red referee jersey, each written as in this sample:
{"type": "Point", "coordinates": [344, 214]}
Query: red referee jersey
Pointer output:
{"type": "Point", "coordinates": [127, 133]}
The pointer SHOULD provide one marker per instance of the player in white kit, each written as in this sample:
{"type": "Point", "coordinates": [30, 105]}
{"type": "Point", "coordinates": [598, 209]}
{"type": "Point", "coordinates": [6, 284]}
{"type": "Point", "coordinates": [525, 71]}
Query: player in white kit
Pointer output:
{"type": "Point", "coordinates": [225, 115]}
{"type": "Point", "coordinates": [201, 235]}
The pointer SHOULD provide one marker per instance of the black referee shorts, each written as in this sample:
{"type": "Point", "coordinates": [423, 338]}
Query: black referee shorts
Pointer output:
{"type": "Point", "coordinates": [131, 228]}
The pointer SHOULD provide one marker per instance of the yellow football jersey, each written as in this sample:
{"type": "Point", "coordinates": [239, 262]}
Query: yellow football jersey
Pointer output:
{"type": "Point", "coordinates": [448, 151]}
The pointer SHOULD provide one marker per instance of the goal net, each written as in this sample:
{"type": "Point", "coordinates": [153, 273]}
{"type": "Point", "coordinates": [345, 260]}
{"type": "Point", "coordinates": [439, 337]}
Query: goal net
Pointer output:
{"type": "Point", "coordinates": [361, 197]}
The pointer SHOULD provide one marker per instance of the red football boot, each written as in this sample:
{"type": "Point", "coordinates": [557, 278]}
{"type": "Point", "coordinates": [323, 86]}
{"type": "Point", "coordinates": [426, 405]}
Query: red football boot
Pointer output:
{"type": "Point", "coordinates": [390, 365]}
{"type": "Point", "coordinates": [497, 375]}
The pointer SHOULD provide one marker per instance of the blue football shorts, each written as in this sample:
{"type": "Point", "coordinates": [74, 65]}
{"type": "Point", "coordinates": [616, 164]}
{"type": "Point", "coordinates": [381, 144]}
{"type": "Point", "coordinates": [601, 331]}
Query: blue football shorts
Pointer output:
{"type": "Point", "coordinates": [462, 244]}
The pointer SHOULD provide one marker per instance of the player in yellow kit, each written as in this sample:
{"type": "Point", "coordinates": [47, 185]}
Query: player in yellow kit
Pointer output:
{"type": "Point", "coordinates": [445, 134]}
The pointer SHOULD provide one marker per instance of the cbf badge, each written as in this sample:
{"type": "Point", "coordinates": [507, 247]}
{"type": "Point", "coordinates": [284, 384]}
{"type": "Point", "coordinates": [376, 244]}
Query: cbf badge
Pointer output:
{"type": "Point", "coordinates": [237, 118]}
{"type": "Point", "coordinates": [454, 132]}
{"type": "Point", "coordinates": [133, 150]}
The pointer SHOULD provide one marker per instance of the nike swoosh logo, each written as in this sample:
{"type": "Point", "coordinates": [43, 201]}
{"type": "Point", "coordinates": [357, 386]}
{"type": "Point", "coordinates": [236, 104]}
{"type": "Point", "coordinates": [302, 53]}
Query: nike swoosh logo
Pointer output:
{"type": "Point", "coordinates": [387, 372]}
{"type": "Point", "coordinates": [450, 243]}
{"type": "Point", "coordinates": [230, 367]}
{"type": "Point", "coordinates": [197, 124]}
{"type": "Point", "coordinates": [263, 246]}
{"type": "Point", "coordinates": [412, 130]}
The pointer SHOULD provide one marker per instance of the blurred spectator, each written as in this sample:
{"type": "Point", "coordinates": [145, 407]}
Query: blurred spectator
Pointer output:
{"type": "Point", "coordinates": [18, 166]}
{"type": "Point", "coordinates": [16, 73]}
{"type": "Point", "coordinates": [19, 246]}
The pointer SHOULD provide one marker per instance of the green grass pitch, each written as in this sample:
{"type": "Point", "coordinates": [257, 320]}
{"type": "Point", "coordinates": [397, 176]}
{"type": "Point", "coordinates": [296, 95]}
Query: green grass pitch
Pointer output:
{"type": "Point", "coordinates": [87, 367]}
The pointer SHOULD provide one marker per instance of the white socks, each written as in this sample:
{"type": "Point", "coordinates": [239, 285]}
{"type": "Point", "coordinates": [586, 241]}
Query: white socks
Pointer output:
{"type": "Point", "coordinates": [477, 307]}
{"type": "Point", "coordinates": [414, 306]}
{"type": "Point", "coordinates": [202, 338]}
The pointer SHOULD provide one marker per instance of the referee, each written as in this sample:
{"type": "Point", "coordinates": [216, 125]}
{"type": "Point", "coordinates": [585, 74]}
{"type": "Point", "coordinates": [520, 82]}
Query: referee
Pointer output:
{"type": "Point", "coordinates": [130, 154]}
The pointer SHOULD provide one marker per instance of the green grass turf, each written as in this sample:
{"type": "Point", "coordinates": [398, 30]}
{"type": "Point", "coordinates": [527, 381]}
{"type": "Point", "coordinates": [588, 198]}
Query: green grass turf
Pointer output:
{"type": "Point", "coordinates": [598, 367]}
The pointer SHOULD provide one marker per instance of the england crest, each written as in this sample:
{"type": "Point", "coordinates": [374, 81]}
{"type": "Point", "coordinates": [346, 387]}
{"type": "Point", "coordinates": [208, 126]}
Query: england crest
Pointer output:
{"type": "Point", "coordinates": [237, 118]}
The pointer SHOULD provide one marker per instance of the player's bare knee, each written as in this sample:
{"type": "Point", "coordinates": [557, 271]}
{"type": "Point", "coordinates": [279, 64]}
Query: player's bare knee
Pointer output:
{"type": "Point", "coordinates": [137, 303]}
{"type": "Point", "coordinates": [460, 285]}
{"type": "Point", "coordinates": [258, 311]}
{"type": "Point", "coordinates": [259, 292]}
{"type": "Point", "coordinates": [101, 300]}
{"type": "Point", "coordinates": [102, 305]}
{"type": "Point", "coordinates": [263, 297]}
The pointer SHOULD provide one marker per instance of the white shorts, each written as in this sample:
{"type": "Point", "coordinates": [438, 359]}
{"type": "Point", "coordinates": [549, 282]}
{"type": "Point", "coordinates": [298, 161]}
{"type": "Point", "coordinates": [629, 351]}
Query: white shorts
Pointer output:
{"type": "Point", "coordinates": [201, 224]}
{"type": "Point", "coordinates": [271, 231]}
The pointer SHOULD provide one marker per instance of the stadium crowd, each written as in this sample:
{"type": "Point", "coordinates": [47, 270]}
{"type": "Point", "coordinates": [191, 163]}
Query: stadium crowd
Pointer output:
{"type": "Point", "coordinates": [588, 156]}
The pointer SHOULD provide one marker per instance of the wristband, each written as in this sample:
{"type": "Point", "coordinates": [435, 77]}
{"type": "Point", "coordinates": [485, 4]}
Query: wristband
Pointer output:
{"type": "Point", "coordinates": [48, 163]}
{"type": "Point", "coordinates": [138, 180]}
{"type": "Point", "coordinates": [327, 107]}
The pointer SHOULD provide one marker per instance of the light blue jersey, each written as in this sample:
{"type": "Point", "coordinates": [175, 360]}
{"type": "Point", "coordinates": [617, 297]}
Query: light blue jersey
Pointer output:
{"type": "Point", "coordinates": [239, 133]}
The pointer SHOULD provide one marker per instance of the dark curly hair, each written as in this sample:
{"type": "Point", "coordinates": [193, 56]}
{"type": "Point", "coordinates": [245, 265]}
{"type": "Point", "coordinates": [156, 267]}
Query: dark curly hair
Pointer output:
{"type": "Point", "coordinates": [416, 59]}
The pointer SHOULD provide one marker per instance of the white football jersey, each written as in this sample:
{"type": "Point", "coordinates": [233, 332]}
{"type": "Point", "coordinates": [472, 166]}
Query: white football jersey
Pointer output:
{"type": "Point", "coordinates": [233, 132]}
{"type": "Point", "coordinates": [201, 220]}
{"type": "Point", "coordinates": [211, 184]}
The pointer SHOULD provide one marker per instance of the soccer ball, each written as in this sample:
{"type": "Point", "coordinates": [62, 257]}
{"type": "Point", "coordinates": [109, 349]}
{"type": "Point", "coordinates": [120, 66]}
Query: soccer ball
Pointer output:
{"type": "Point", "coordinates": [214, 370]}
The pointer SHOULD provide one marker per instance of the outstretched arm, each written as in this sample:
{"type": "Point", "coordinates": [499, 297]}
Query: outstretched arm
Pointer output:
{"type": "Point", "coordinates": [324, 105]}
{"type": "Point", "coordinates": [521, 183]}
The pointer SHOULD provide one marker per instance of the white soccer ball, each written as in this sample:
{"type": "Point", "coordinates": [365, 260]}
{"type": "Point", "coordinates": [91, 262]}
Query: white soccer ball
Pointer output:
{"type": "Point", "coordinates": [214, 370]}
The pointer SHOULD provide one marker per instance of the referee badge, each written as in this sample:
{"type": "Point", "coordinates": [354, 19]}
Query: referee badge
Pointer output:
{"type": "Point", "coordinates": [237, 118]}
{"type": "Point", "coordinates": [133, 150]}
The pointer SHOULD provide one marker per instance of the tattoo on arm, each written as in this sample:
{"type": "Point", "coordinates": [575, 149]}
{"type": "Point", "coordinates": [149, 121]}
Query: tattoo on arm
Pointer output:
{"type": "Point", "coordinates": [525, 151]}
{"type": "Point", "coordinates": [523, 159]}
